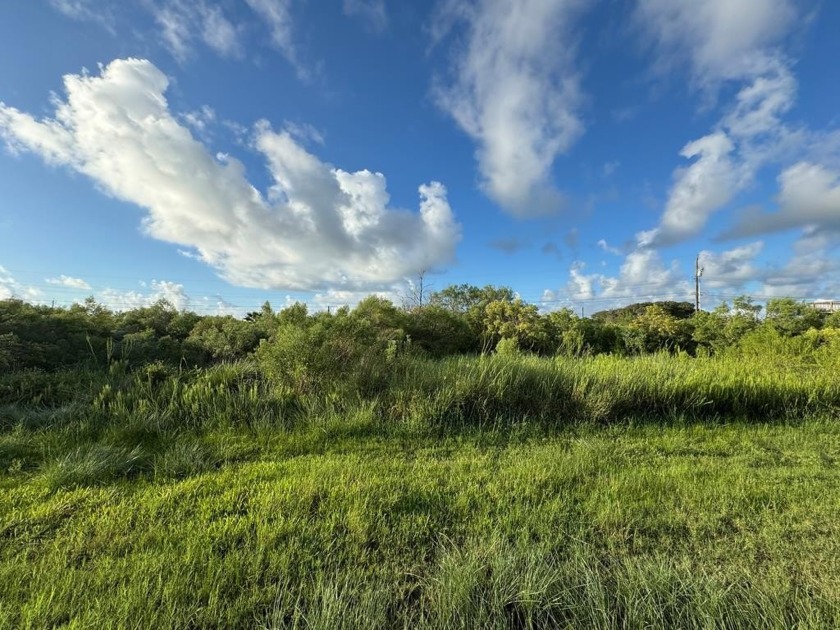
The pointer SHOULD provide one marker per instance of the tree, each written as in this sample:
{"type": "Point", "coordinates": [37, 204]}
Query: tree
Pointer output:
{"type": "Point", "coordinates": [514, 320]}
{"type": "Point", "coordinates": [225, 337]}
{"type": "Point", "coordinates": [440, 332]}
{"type": "Point", "coordinates": [626, 314]}
{"type": "Point", "coordinates": [156, 318]}
{"type": "Point", "coordinates": [464, 298]}
{"type": "Point", "coordinates": [660, 330]}
{"type": "Point", "coordinates": [790, 318]}
{"type": "Point", "coordinates": [833, 320]}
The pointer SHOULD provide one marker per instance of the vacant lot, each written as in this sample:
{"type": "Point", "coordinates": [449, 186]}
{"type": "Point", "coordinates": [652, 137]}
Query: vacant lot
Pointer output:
{"type": "Point", "coordinates": [475, 492]}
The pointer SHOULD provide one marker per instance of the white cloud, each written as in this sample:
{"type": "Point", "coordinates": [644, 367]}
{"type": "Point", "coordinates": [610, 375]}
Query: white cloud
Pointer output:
{"type": "Point", "coordinates": [731, 270]}
{"type": "Point", "coordinates": [719, 39]}
{"type": "Point", "coordinates": [200, 119]}
{"type": "Point", "coordinates": [580, 286]}
{"type": "Point", "coordinates": [336, 298]}
{"type": "Point", "coordinates": [172, 292]}
{"type": "Point", "coordinates": [371, 11]}
{"type": "Point", "coordinates": [86, 10]}
{"type": "Point", "coordinates": [69, 282]}
{"type": "Point", "coordinates": [515, 91]}
{"type": "Point", "coordinates": [183, 22]}
{"type": "Point", "coordinates": [643, 277]}
{"type": "Point", "coordinates": [276, 14]}
{"type": "Point", "coordinates": [809, 195]}
{"type": "Point", "coordinates": [12, 289]}
{"type": "Point", "coordinates": [318, 226]}
{"type": "Point", "coordinates": [724, 41]}
{"type": "Point", "coordinates": [700, 189]}
{"type": "Point", "coordinates": [812, 272]}
{"type": "Point", "coordinates": [304, 132]}
{"type": "Point", "coordinates": [606, 247]}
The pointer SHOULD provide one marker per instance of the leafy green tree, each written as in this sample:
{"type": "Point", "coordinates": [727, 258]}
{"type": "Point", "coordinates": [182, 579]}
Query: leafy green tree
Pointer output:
{"type": "Point", "coordinates": [514, 320]}
{"type": "Point", "coordinates": [466, 298]}
{"type": "Point", "coordinates": [789, 317]}
{"type": "Point", "coordinates": [158, 317]}
{"type": "Point", "coordinates": [710, 328]}
{"type": "Point", "coordinates": [382, 314]}
{"type": "Point", "coordinates": [725, 327]}
{"type": "Point", "coordinates": [627, 314]}
{"type": "Point", "coordinates": [833, 320]}
{"type": "Point", "coordinates": [656, 329]}
{"type": "Point", "coordinates": [225, 337]}
{"type": "Point", "coordinates": [296, 314]}
{"type": "Point", "coordinates": [440, 332]}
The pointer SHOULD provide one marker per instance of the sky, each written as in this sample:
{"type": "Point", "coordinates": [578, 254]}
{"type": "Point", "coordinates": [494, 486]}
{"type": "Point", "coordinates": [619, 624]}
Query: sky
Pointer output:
{"type": "Point", "coordinates": [583, 152]}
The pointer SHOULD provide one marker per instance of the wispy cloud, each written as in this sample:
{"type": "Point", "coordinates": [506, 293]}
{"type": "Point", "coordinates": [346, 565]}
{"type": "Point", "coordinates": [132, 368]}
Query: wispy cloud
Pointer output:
{"type": "Point", "coordinates": [371, 11]}
{"type": "Point", "coordinates": [276, 15]}
{"type": "Point", "coordinates": [317, 227]}
{"type": "Point", "coordinates": [182, 23]}
{"type": "Point", "coordinates": [719, 40]}
{"type": "Point", "coordinates": [723, 42]}
{"type": "Point", "coordinates": [515, 90]}
{"type": "Point", "coordinates": [86, 10]}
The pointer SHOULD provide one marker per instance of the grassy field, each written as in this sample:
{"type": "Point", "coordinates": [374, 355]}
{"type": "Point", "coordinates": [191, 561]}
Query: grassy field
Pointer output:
{"type": "Point", "coordinates": [656, 492]}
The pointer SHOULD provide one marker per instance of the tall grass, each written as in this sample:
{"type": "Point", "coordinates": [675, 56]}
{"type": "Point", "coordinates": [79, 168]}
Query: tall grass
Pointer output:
{"type": "Point", "coordinates": [607, 389]}
{"type": "Point", "coordinates": [493, 492]}
{"type": "Point", "coordinates": [153, 410]}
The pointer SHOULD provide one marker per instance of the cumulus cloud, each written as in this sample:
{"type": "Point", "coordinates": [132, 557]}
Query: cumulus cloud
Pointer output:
{"type": "Point", "coordinates": [731, 269]}
{"type": "Point", "coordinates": [12, 289]}
{"type": "Point", "coordinates": [69, 282]}
{"type": "Point", "coordinates": [642, 277]}
{"type": "Point", "coordinates": [336, 298]}
{"type": "Point", "coordinates": [119, 300]}
{"type": "Point", "coordinates": [812, 272]}
{"type": "Point", "coordinates": [515, 91]}
{"type": "Point", "coordinates": [316, 227]}
{"type": "Point", "coordinates": [371, 11]}
{"type": "Point", "coordinates": [809, 196]}
{"type": "Point", "coordinates": [723, 41]}
{"type": "Point", "coordinates": [172, 292]}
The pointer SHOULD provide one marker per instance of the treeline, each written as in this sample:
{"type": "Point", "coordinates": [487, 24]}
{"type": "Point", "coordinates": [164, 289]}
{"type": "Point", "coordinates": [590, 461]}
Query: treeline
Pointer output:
{"type": "Point", "coordinates": [457, 320]}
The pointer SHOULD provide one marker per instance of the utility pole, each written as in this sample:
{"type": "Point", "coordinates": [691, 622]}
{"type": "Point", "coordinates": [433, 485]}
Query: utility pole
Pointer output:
{"type": "Point", "coordinates": [698, 273]}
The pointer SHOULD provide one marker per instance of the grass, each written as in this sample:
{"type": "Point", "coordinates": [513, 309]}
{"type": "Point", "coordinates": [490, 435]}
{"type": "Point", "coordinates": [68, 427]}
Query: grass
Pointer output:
{"type": "Point", "coordinates": [656, 492]}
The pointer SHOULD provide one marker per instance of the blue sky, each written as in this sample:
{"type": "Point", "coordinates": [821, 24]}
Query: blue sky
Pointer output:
{"type": "Point", "coordinates": [583, 152]}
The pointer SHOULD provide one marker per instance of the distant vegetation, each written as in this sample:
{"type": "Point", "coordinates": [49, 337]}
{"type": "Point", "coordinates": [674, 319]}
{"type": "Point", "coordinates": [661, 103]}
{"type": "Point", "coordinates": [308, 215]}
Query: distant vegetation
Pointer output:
{"type": "Point", "coordinates": [458, 320]}
{"type": "Point", "coordinates": [469, 462]}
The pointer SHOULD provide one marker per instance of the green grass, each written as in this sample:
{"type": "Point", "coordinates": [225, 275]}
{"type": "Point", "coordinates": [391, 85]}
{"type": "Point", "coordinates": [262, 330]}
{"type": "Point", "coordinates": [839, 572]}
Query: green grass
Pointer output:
{"type": "Point", "coordinates": [469, 493]}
